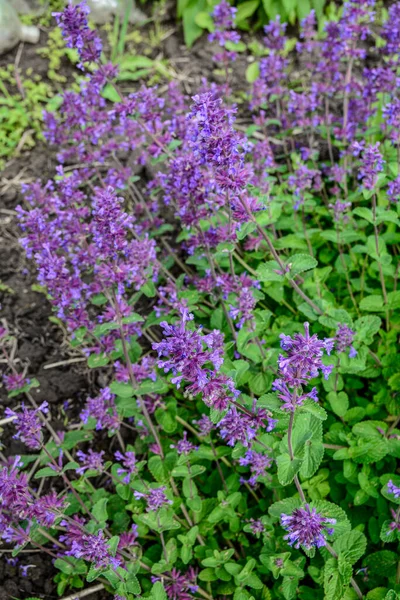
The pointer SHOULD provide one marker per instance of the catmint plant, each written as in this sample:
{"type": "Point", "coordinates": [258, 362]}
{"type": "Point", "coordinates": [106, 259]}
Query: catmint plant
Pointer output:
{"type": "Point", "coordinates": [238, 308]}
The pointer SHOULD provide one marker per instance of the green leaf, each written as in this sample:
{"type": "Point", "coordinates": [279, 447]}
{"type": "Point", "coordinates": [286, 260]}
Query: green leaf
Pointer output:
{"type": "Point", "coordinates": [191, 31]}
{"type": "Point", "coordinates": [64, 566]}
{"type": "Point", "coordinates": [298, 263]}
{"type": "Point", "coordinates": [132, 584]}
{"type": "Point", "coordinates": [314, 409]}
{"type": "Point", "coordinates": [369, 450]}
{"type": "Point", "coordinates": [158, 592]}
{"type": "Point", "coordinates": [208, 575]}
{"type": "Point", "coordinates": [366, 328]}
{"type": "Point", "coordinates": [97, 360]}
{"type": "Point", "coordinates": [328, 509]}
{"type": "Point", "coordinates": [149, 387]}
{"type": "Point", "coordinates": [204, 20]}
{"type": "Point", "coordinates": [334, 581]}
{"type": "Point", "coordinates": [157, 468]}
{"type": "Point", "coordinates": [285, 506]}
{"type": "Point", "coordinates": [99, 510]}
{"type": "Point", "coordinates": [267, 271]}
{"type": "Point", "coordinates": [149, 289]}
{"type": "Point", "coordinates": [46, 472]}
{"type": "Point", "coordinates": [364, 213]}
{"type": "Point", "coordinates": [110, 93]}
{"type": "Point", "coordinates": [134, 61]}
{"type": "Point", "coordinates": [123, 390]}
{"type": "Point", "coordinates": [313, 455]}
{"type": "Point", "coordinates": [393, 300]}
{"type": "Point", "coordinates": [373, 303]}
{"type": "Point", "coordinates": [194, 504]}
{"type": "Point", "coordinates": [351, 545]}
{"type": "Point", "coordinates": [287, 468]}
{"type": "Point", "coordinates": [252, 73]}
{"type": "Point", "coordinates": [382, 562]}
{"type": "Point", "coordinates": [245, 10]}
{"type": "Point", "coordinates": [339, 402]}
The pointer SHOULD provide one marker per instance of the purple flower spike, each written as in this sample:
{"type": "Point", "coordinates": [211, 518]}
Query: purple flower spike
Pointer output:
{"type": "Point", "coordinates": [93, 548]}
{"type": "Point", "coordinates": [155, 498]}
{"type": "Point", "coordinates": [15, 381]}
{"type": "Point", "coordinates": [91, 460]}
{"type": "Point", "coordinates": [306, 528]}
{"type": "Point", "coordinates": [344, 339]}
{"type": "Point", "coordinates": [224, 20]}
{"type": "Point", "coordinates": [184, 446]}
{"type": "Point", "coordinates": [128, 461]}
{"type": "Point", "coordinates": [76, 33]}
{"type": "Point", "coordinates": [28, 424]}
{"type": "Point", "coordinates": [371, 163]}
{"type": "Point", "coordinates": [302, 363]}
{"type": "Point", "coordinates": [258, 464]}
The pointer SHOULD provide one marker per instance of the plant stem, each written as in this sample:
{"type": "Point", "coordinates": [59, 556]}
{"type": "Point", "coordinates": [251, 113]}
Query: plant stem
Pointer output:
{"type": "Point", "coordinates": [291, 454]}
{"type": "Point", "coordinates": [276, 257]}
{"type": "Point", "coordinates": [381, 275]}
{"type": "Point", "coordinates": [133, 379]}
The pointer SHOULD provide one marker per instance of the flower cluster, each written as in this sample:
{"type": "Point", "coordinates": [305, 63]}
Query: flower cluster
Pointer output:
{"type": "Point", "coordinates": [307, 528]}
{"type": "Point", "coordinates": [302, 363]}
{"type": "Point", "coordinates": [177, 239]}
{"type": "Point", "coordinates": [28, 424]}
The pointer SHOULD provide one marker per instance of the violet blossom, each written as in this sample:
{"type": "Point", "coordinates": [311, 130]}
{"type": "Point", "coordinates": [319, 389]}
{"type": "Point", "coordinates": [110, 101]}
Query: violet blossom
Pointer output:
{"type": "Point", "coordinates": [129, 464]}
{"type": "Point", "coordinates": [155, 498]}
{"type": "Point", "coordinates": [102, 408]}
{"type": "Point", "coordinates": [90, 460]}
{"type": "Point", "coordinates": [344, 340]}
{"type": "Point", "coordinates": [371, 163]}
{"type": "Point", "coordinates": [258, 464]}
{"type": "Point", "coordinates": [306, 528]}
{"type": "Point", "coordinates": [184, 446]}
{"type": "Point", "coordinates": [302, 363]}
{"type": "Point", "coordinates": [180, 586]}
{"type": "Point", "coordinates": [28, 424]}
{"type": "Point", "coordinates": [76, 33]}
{"type": "Point", "coordinates": [15, 381]}
{"type": "Point", "coordinates": [91, 547]}
{"type": "Point", "coordinates": [394, 190]}
{"type": "Point", "coordinates": [393, 489]}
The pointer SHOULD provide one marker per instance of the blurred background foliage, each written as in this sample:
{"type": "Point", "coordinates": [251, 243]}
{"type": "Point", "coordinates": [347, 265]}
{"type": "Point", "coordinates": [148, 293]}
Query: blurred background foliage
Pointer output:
{"type": "Point", "coordinates": [254, 14]}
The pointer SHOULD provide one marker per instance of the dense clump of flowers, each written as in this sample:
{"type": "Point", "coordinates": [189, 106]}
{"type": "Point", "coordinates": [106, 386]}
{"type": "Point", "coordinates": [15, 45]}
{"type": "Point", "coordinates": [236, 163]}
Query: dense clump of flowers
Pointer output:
{"type": "Point", "coordinates": [90, 460]}
{"type": "Point", "coordinates": [344, 340]}
{"type": "Point", "coordinates": [14, 381]}
{"type": "Point", "coordinates": [223, 17]}
{"type": "Point", "coordinates": [155, 498]}
{"type": "Point", "coordinates": [210, 301]}
{"type": "Point", "coordinates": [258, 464]}
{"type": "Point", "coordinates": [307, 528]}
{"type": "Point", "coordinates": [129, 465]}
{"type": "Point", "coordinates": [188, 353]}
{"type": "Point", "coordinates": [90, 547]}
{"type": "Point", "coordinates": [75, 29]}
{"type": "Point", "coordinates": [102, 409]}
{"type": "Point", "coordinates": [180, 586]}
{"type": "Point", "coordinates": [371, 163]}
{"type": "Point", "coordinates": [302, 363]}
{"type": "Point", "coordinates": [184, 446]}
{"type": "Point", "coordinates": [28, 424]}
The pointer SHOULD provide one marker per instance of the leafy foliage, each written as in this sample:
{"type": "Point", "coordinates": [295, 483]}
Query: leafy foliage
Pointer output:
{"type": "Point", "coordinates": [242, 307]}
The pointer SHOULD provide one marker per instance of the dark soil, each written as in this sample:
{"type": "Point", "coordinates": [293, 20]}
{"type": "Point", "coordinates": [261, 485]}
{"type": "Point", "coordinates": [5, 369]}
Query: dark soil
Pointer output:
{"type": "Point", "coordinates": [40, 342]}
